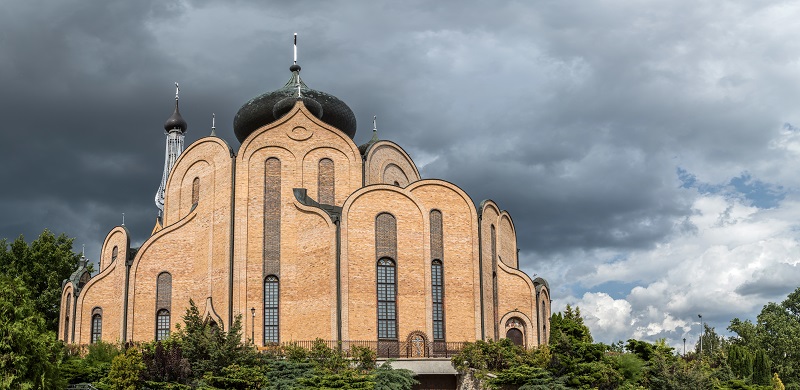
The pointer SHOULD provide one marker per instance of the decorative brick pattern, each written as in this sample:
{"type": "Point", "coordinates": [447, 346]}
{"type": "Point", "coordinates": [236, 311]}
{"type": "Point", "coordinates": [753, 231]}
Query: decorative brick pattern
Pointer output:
{"type": "Point", "coordinates": [394, 175]}
{"type": "Point", "coordinates": [272, 218]}
{"type": "Point", "coordinates": [495, 300]}
{"type": "Point", "coordinates": [437, 250]}
{"type": "Point", "coordinates": [195, 190]}
{"type": "Point", "coordinates": [326, 182]}
{"type": "Point", "coordinates": [164, 291]}
{"type": "Point", "coordinates": [386, 236]}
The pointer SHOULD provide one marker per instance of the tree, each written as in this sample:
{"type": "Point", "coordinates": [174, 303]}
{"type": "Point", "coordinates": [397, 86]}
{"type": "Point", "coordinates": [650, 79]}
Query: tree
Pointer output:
{"type": "Point", "coordinates": [41, 267]}
{"type": "Point", "coordinates": [29, 352]}
{"type": "Point", "coordinates": [126, 371]}
{"type": "Point", "coordinates": [778, 330]}
{"type": "Point", "coordinates": [762, 369]}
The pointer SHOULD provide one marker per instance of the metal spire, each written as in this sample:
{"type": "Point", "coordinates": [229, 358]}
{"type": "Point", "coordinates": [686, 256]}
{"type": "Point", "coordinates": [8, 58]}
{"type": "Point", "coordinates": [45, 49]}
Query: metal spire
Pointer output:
{"type": "Point", "coordinates": [83, 252]}
{"type": "Point", "coordinates": [295, 48]}
{"type": "Point", "coordinates": [213, 127]}
{"type": "Point", "coordinates": [123, 219]}
{"type": "Point", "coordinates": [177, 90]}
{"type": "Point", "coordinates": [374, 128]}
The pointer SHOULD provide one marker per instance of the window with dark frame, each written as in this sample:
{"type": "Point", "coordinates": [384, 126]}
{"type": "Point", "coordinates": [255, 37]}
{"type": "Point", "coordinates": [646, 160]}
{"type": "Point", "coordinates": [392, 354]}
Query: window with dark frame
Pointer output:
{"type": "Point", "coordinates": [437, 289]}
{"type": "Point", "coordinates": [162, 324]}
{"type": "Point", "coordinates": [387, 299]}
{"type": "Point", "coordinates": [271, 301]}
{"type": "Point", "coordinates": [97, 328]}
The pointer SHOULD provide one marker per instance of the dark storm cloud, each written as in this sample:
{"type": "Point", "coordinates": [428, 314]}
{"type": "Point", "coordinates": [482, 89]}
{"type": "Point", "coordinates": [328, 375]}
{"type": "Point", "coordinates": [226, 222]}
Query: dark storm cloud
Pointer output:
{"type": "Point", "coordinates": [576, 117]}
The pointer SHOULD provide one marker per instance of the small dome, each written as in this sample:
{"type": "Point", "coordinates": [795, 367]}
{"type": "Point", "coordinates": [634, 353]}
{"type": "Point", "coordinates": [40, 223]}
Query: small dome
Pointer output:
{"type": "Point", "coordinates": [271, 106]}
{"type": "Point", "coordinates": [175, 121]}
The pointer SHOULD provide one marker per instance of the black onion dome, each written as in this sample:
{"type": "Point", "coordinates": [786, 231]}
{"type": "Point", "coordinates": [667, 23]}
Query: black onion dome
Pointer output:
{"type": "Point", "coordinates": [175, 121]}
{"type": "Point", "coordinates": [271, 106]}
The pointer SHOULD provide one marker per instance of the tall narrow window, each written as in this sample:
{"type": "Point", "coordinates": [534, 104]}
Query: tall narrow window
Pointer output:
{"type": "Point", "coordinates": [271, 313]}
{"type": "Point", "coordinates": [272, 217]}
{"type": "Point", "coordinates": [195, 190]}
{"type": "Point", "coordinates": [387, 299]}
{"type": "Point", "coordinates": [162, 324]}
{"type": "Point", "coordinates": [66, 318]}
{"type": "Point", "coordinates": [437, 288]}
{"type": "Point", "coordinates": [326, 180]}
{"type": "Point", "coordinates": [163, 304]}
{"type": "Point", "coordinates": [495, 298]}
{"type": "Point", "coordinates": [97, 325]}
{"type": "Point", "coordinates": [437, 274]}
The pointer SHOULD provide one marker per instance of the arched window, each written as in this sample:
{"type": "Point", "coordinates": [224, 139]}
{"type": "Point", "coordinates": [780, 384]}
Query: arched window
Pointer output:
{"type": "Point", "coordinates": [114, 253]}
{"type": "Point", "coordinates": [437, 274]}
{"type": "Point", "coordinates": [515, 331]}
{"type": "Point", "coordinates": [162, 324]}
{"type": "Point", "coordinates": [163, 304]}
{"type": "Point", "coordinates": [272, 217]}
{"type": "Point", "coordinates": [516, 337]}
{"type": "Point", "coordinates": [437, 288]}
{"type": "Point", "coordinates": [326, 182]}
{"type": "Point", "coordinates": [495, 298]}
{"type": "Point", "coordinates": [66, 318]}
{"type": "Point", "coordinates": [195, 190]}
{"type": "Point", "coordinates": [271, 309]}
{"type": "Point", "coordinates": [387, 299]}
{"type": "Point", "coordinates": [97, 325]}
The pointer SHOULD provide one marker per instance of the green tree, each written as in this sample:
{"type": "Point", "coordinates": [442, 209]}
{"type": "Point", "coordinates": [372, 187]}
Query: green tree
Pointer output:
{"type": "Point", "coordinates": [126, 371]}
{"type": "Point", "coordinates": [29, 353]}
{"type": "Point", "coordinates": [41, 266]}
{"type": "Point", "coordinates": [740, 360]}
{"type": "Point", "coordinates": [778, 330]}
{"type": "Point", "coordinates": [762, 368]}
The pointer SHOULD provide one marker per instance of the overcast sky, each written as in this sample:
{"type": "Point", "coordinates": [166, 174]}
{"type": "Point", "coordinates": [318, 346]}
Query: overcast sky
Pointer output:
{"type": "Point", "coordinates": [647, 151]}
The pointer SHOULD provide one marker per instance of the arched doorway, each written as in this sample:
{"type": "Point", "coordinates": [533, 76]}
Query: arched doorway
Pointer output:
{"type": "Point", "coordinates": [516, 337]}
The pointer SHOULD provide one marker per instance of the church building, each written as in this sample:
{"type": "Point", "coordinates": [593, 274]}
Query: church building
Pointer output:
{"type": "Point", "coordinates": [306, 235]}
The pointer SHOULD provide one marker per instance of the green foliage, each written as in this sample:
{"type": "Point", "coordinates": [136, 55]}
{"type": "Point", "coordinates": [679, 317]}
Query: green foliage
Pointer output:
{"type": "Point", "coordinates": [284, 373]}
{"type": "Point", "coordinates": [778, 330]}
{"type": "Point", "coordinates": [363, 357]}
{"type": "Point", "coordinates": [126, 371]}
{"type": "Point", "coordinates": [327, 359]}
{"type": "Point", "coordinates": [630, 366]}
{"type": "Point", "coordinates": [29, 353]}
{"type": "Point", "coordinates": [41, 267]}
{"type": "Point", "coordinates": [347, 379]}
{"type": "Point", "coordinates": [209, 349]}
{"type": "Point", "coordinates": [570, 325]}
{"type": "Point", "coordinates": [762, 368]}
{"type": "Point", "coordinates": [388, 378]}
{"type": "Point", "coordinates": [523, 375]}
{"type": "Point", "coordinates": [237, 377]}
{"type": "Point", "coordinates": [665, 373]}
{"type": "Point", "coordinates": [740, 360]}
{"type": "Point", "coordinates": [492, 356]}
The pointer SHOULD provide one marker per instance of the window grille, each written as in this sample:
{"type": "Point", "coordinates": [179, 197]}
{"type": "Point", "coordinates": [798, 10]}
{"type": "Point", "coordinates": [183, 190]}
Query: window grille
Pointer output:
{"type": "Point", "coordinates": [271, 306]}
{"type": "Point", "coordinates": [437, 289]}
{"type": "Point", "coordinates": [97, 328]}
{"type": "Point", "coordinates": [387, 299]}
{"type": "Point", "coordinates": [162, 324]}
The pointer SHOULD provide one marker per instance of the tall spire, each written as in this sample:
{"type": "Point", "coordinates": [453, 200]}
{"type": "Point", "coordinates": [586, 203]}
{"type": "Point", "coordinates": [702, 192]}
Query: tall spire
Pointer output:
{"type": "Point", "coordinates": [175, 128]}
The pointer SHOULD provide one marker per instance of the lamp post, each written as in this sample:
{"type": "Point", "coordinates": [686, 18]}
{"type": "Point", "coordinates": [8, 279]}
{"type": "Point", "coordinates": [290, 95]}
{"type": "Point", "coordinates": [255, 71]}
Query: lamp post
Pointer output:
{"type": "Point", "coordinates": [684, 347]}
{"type": "Point", "coordinates": [253, 325]}
{"type": "Point", "coordinates": [702, 329]}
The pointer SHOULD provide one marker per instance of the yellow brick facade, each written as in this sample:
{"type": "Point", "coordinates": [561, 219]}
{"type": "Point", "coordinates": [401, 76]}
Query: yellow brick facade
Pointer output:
{"type": "Point", "coordinates": [233, 219]}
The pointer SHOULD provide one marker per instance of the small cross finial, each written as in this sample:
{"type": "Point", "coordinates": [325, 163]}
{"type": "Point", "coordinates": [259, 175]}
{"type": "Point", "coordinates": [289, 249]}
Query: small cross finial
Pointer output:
{"type": "Point", "coordinates": [177, 90]}
{"type": "Point", "coordinates": [375, 123]}
{"type": "Point", "coordinates": [83, 252]}
{"type": "Point", "coordinates": [123, 216]}
{"type": "Point", "coordinates": [295, 48]}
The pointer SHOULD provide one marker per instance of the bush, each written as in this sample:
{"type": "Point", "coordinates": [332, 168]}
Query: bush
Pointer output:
{"type": "Point", "coordinates": [126, 371]}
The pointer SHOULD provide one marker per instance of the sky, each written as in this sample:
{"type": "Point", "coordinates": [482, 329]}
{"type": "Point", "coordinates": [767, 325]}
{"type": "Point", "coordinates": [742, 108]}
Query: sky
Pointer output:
{"type": "Point", "coordinates": [646, 150]}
